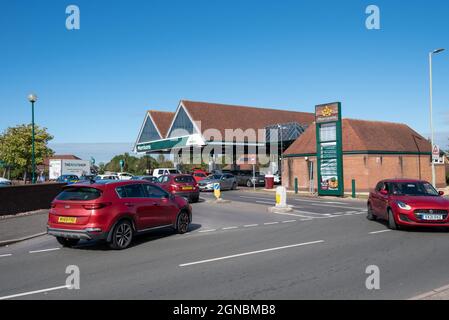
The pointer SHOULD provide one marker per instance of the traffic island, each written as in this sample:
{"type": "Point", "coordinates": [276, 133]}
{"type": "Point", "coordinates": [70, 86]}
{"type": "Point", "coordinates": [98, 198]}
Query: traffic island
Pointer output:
{"type": "Point", "coordinates": [281, 202]}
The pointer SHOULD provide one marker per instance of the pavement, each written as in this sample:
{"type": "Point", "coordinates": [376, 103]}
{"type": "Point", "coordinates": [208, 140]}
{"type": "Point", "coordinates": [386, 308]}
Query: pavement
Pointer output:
{"type": "Point", "coordinates": [21, 227]}
{"type": "Point", "coordinates": [239, 250]}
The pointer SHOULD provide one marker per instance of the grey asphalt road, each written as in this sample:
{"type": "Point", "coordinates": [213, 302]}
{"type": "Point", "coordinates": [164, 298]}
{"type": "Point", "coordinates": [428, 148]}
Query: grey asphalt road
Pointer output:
{"type": "Point", "coordinates": [240, 251]}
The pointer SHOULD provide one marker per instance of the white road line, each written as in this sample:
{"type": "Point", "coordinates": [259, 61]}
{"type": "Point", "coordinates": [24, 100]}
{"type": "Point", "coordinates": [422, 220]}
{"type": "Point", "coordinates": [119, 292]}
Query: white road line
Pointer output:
{"type": "Point", "coordinates": [333, 206]}
{"type": "Point", "coordinates": [266, 202]}
{"type": "Point", "coordinates": [289, 221]}
{"type": "Point", "coordinates": [34, 292]}
{"type": "Point", "coordinates": [5, 255]}
{"type": "Point", "coordinates": [230, 228]}
{"type": "Point", "coordinates": [44, 250]}
{"type": "Point", "coordinates": [250, 225]}
{"type": "Point", "coordinates": [210, 230]}
{"type": "Point", "coordinates": [270, 223]}
{"type": "Point", "coordinates": [254, 198]}
{"type": "Point", "coordinates": [381, 231]}
{"type": "Point", "coordinates": [250, 253]}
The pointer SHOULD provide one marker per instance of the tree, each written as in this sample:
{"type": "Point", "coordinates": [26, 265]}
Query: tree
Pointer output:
{"type": "Point", "coordinates": [132, 164]}
{"type": "Point", "coordinates": [16, 147]}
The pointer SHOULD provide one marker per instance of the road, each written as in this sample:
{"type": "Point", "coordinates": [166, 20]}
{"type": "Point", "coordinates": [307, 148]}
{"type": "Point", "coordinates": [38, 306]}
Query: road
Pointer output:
{"type": "Point", "coordinates": [240, 251]}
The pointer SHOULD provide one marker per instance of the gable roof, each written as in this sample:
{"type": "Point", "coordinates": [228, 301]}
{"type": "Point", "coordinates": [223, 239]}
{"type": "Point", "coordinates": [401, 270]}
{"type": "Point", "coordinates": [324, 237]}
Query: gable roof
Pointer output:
{"type": "Point", "coordinates": [162, 120]}
{"type": "Point", "coordinates": [223, 116]}
{"type": "Point", "coordinates": [362, 135]}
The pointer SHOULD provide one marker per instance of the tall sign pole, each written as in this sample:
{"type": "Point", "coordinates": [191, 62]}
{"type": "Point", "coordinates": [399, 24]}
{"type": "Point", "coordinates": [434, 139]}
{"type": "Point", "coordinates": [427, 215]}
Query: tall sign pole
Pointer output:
{"type": "Point", "coordinates": [329, 149]}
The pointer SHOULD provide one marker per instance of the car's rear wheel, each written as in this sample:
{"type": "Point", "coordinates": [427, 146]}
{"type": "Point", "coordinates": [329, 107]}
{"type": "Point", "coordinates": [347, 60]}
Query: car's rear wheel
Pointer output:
{"type": "Point", "coordinates": [122, 235]}
{"type": "Point", "coordinates": [68, 243]}
{"type": "Point", "coordinates": [234, 186]}
{"type": "Point", "coordinates": [249, 184]}
{"type": "Point", "coordinates": [370, 216]}
{"type": "Point", "coordinates": [182, 225]}
{"type": "Point", "coordinates": [391, 221]}
{"type": "Point", "coordinates": [195, 199]}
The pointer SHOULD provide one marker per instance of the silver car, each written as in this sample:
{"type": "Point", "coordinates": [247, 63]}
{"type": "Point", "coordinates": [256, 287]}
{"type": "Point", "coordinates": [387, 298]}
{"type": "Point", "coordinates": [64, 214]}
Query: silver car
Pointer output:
{"type": "Point", "coordinates": [227, 182]}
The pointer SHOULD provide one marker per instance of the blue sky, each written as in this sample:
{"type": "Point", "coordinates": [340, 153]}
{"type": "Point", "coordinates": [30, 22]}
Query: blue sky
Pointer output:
{"type": "Point", "coordinates": [95, 83]}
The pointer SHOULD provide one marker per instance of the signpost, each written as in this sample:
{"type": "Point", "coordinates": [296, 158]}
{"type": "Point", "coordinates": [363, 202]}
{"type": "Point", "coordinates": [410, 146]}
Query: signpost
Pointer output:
{"type": "Point", "coordinates": [122, 164]}
{"type": "Point", "coordinates": [329, 149]}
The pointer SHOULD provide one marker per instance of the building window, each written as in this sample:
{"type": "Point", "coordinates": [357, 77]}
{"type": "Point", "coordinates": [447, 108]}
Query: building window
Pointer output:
{"type": "Point", "coordinates": [149, 132]}
{"type": "Point", "coordinates": [401, 164]}
{"type": "Point", "coordinates": [182, 126]}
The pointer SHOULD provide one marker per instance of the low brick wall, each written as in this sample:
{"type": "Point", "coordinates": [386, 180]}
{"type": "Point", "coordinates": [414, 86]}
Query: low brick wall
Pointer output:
{"type": "Point", "coordinates": [17, 199]}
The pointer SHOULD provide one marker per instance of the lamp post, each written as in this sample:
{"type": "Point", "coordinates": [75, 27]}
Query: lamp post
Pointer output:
{"type": "Point", "coordinates": [32, 98]}
{"type": "Point", "coordinates": [431, 109]}
{"type": "Point", "coordinates": [280, 127]}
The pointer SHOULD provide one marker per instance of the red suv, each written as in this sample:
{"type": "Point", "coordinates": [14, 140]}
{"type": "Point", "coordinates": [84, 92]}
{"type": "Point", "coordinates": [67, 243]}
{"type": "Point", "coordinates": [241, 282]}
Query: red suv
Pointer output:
{"type": "Point", "coordinates": [115, 212]}
{"type": "Point", "coordinates": [408, 203]}
{"type": "Point", "coordinates": [183, 185]}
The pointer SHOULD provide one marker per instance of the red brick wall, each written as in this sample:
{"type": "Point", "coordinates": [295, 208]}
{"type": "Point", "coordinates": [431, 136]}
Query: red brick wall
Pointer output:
{"type": "Point", "coordinates": [367, 170]}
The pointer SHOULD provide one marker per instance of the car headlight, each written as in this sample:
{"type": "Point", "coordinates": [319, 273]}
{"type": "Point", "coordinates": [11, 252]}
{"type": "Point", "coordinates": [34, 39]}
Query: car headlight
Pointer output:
{"type": "Point", "coordinates": [403, 205]}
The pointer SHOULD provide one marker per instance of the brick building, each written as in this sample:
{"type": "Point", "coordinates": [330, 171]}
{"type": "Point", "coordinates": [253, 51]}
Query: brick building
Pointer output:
{"type": "Point", "coordinates": [372, 151]}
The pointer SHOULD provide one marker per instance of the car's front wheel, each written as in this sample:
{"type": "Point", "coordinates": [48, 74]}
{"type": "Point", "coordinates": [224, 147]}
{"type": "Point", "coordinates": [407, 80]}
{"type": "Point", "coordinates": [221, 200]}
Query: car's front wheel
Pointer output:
{"type": "Point", "coordinates": [182, 225]}
{"type": "Point", "coordinates": [122, 235]}
{"type": "Point", "coordinates": [234, 186]}
{"type": "Point", "coordinates": [68, 243]}
{"type": "Point", "coordinates": [370, 216]}
{"type": "Point", "coordinates": [392, 221]}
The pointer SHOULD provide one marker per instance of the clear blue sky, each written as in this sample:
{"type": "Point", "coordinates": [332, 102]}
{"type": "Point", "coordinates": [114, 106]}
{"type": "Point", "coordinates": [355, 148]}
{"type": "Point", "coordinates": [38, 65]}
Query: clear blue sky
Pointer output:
{"type": "Point", "coordinates": [95, 84]}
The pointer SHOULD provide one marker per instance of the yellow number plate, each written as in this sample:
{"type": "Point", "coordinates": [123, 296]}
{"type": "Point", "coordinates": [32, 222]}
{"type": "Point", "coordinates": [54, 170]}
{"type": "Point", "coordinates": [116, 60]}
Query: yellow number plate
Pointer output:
{"type": "Point", "coordinates": [66, 220]}
{"type": "Point", "coordinates": [187, 188]}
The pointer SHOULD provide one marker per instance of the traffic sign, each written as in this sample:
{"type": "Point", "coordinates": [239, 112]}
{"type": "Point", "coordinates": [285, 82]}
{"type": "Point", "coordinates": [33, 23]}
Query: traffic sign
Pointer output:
{"type": "Point", "coordinates": [217, 191]}
{"type": "Point", "coordinates": [435, 153]}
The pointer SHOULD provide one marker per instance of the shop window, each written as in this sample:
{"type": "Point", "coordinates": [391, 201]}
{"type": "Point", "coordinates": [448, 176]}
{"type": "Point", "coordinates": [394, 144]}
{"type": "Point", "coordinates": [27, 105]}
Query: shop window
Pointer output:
{"type": "Point", "coordinates": [149, 132]}
{"type": "Point", "coordinates": [182, 126]}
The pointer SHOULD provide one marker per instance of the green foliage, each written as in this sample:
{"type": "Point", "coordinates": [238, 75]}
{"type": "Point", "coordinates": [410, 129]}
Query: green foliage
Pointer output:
{"type": "Point", "coordinates": [16, 147]}
{"type": "Point", "coordinates": [133, 165]}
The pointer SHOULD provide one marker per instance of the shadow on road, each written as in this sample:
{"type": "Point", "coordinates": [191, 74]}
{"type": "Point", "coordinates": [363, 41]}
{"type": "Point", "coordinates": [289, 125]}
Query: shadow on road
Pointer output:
{"type": "Point", "coordinates": [137, 241]}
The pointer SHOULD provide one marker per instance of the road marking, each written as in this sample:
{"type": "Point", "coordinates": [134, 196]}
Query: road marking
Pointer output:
{"type": "Point", "coordinates": [44, 250]}
{"type": "Point", "coordinates": [210, 230]}
{"type": "Point", "coordinates": [289, 221]}
{"type": "Point", "coordinates": [254, 198]}
{"type": "Point", "coordinates": [230, 228]}
{"type": "Point", "coordinates": [381, 231]}
{"type": "Point", "coordinates": [333, 206]}
{"type": "Point", "coordinates": [250, 253]}
{"type": "Point", "coordinates": [266, 202]}
{"type": "Point", "coordinates": [250, 225]}
{"type": "Point", "coordinates": [270, 223]}
{"type": "Point", "coordinates": [5, 255]}
{"type": "Point", "coordinates": [34, 292]}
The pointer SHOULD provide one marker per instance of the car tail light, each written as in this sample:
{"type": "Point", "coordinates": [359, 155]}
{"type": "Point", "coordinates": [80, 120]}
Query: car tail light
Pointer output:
{"type": "Point", "coordinates": [174, 187]}
{"type": "Point", "coordinates": [53, 205]}
{"type": "Point", "coordinates": [94, 206]}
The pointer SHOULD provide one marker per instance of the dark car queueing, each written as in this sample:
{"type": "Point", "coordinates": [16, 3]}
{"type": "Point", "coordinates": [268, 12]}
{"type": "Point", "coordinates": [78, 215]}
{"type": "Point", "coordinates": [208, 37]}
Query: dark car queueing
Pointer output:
{"type": "Point", "coordinates": [247, 178]}
{"type": "Point", "coordinates": [182, 185]}
{"type": "Point", "coordinates": [115, 212]}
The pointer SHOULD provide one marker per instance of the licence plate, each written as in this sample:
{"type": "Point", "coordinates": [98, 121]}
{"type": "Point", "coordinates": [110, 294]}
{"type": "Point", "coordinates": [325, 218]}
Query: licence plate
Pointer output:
{"type": "Point", "coordinates": [432, 217]}
{"type": "Point", "coordinates": [187, 188]}
{"type": "Point", "coordinates": [66, 220]}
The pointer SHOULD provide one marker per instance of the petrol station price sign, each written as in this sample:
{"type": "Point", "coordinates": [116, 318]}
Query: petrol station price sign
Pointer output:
{"type": "Point", "coordinates": [329, 149]}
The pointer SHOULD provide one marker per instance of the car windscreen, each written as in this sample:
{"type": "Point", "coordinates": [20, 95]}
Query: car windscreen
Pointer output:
{"type": "Point", "coordinates": [412, 189]}
{"type": "Point", "coordinates": [173, 171]}
{"type": "Point", "coordinates": [184, 179]}
{"type": "Point", "coordinates": [215, 177]}
{"type": "Point", "coordinates": [79, 194]}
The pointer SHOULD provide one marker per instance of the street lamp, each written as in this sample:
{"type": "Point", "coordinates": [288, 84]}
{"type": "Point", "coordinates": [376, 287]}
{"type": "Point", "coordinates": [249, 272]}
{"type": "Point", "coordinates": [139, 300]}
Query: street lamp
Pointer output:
{"type": "Point", "coordinates": [280, 127]}
{"type": "Point", "coordinates": [32, 98]}
{"type": "Point", "coordinates": [431, 109]}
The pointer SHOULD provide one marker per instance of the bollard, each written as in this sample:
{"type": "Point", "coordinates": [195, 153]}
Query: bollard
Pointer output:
{"type": "Point", "coordinates": [281, 202]}
{"type": "Point", "coordinates": [353, 189]}
{"type": "Point", "coordinates": [296, 185]}
{"type": "Point", "coordinates": [217, 191]}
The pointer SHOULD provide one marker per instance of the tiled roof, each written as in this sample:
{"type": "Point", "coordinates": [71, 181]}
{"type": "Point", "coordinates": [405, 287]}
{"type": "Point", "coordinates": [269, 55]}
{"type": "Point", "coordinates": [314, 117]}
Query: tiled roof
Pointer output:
{"type": "Point", "coordinates": [162, 119]}
{"type": "Point", "coordinates": [362, 135]}
{"type": "Point", "coordinates": [60, 157]}
{"type": "Point", "coordinates": [222, 116]}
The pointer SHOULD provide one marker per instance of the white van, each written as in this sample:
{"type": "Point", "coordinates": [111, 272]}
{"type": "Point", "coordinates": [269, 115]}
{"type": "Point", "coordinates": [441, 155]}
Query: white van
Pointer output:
{"type": "Point", "coordinates": [162, 171]}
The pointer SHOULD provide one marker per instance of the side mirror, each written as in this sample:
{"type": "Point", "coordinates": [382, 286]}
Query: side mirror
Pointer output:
{"type": "Point", "coordinates": [384, 192]}
{"type": "Point", "coordinates": [441, 193]}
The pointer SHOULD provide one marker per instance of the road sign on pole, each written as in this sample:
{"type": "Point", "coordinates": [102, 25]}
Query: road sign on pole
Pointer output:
{"type": "Point", "coordinates": [435, 153]}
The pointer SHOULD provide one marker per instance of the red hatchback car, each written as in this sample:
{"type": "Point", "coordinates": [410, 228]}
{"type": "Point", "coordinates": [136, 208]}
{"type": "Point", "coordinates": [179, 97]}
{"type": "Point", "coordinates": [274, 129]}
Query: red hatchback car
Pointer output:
{"type": "Point", "coordinates": [408, 203]}
{"type": "Point", "coordinates": [182, 185]}
{"type": "Point", "coordinates": [115, 212]}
